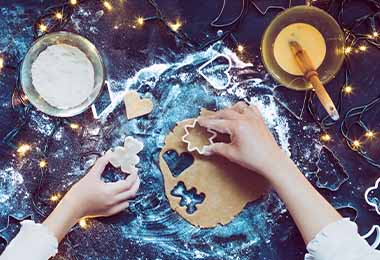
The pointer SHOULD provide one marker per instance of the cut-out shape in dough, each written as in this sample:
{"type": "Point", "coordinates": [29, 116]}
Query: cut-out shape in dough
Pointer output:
{"type": "Point", "coordinates": [189, 198]}
{"type": "Point", "coordinates": [310, 39]}
{"type": "Point", "coordinates": [197, 137]}
{"type": "Point", "coordinates": [227, 187]}
{"type": "Point", "coordinates": [126, 157]}
{"type": "Point", "coordinates": [178, 163]}
{"type": "Point", "coordinates": [219, 75]}
{"type": "Point", "coordinates": [136, 106]}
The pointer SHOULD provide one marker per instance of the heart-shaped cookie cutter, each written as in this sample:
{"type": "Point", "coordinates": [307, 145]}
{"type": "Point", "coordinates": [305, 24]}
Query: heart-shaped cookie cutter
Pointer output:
{"type": "Point", "coordinates": [226, 72]}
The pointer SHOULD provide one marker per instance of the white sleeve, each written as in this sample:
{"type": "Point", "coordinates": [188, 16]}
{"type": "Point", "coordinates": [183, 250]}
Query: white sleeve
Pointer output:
{"type": "Point", "coordinates": [33, 242]}
{"type": "Point", "coordinates": [340, 241]}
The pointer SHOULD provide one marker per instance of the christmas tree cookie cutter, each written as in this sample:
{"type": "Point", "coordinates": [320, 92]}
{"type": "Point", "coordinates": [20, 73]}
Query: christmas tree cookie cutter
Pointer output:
{"type": "Point", "coordinates": [367, 197]}
{"type": "Point", "coordinates": [225, 72]}
{"type": "Point", "coordinates": [190, 146]}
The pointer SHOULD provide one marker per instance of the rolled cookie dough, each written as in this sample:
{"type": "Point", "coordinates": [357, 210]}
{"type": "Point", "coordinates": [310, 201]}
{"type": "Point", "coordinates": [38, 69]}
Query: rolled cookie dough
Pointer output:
{"type": "Point", "coordinates": [227, 186]}
{"type": "Point", "coordinates": [309, 38]}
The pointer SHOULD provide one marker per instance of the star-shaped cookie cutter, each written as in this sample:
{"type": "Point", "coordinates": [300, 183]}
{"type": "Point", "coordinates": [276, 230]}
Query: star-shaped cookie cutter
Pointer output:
{"type": "Point", "coordinates": [376, 206]}
{"type": "Point", "coordinates": [191, 148]}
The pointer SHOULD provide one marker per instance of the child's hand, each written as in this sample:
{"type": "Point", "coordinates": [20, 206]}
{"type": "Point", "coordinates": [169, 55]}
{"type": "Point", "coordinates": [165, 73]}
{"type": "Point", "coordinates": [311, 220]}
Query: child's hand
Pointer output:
{"type": "Point", "coordinates": [91, 197]}
{"type": "Point", "coordinates": [252, 145]}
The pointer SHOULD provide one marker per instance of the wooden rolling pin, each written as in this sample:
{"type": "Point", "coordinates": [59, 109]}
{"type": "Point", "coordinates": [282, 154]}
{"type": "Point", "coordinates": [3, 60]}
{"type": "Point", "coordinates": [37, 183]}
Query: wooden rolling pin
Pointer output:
{"type": "Point", "coordinates": [310, 73]}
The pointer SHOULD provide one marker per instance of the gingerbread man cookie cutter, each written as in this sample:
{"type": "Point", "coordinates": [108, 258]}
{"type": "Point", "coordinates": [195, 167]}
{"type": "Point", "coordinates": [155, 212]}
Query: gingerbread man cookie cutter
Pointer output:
{"type": "Point", "coordinates": [225, 72]}
{"type": "Point", "coordinates": [368, 200]}
{"type": "Point", "coordinates": [190, 146]}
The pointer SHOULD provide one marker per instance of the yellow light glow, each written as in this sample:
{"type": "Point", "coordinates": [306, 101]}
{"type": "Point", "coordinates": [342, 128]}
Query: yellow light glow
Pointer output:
{"type": "Point", "coordinates": [375, 34]}
{"type": "Point", "coordinates": [356, 144]}
{"type": "Point", "coordinates": [1, 63]}
{"type": "Point", "coordinates": [58, 15]}
{"type": "Point", "coordinates": [42, 163]}
{"type": "Point", "coordinates": [326, 137]}
{"type": "Point", "coordinates": [175, 26]}
{"type": "Point", "coordinates": [23, 149]}
{"type": "Point", "coordinates": [348, 50]}
{"type": "Point", "coordinates": [347, 89]}
{"type": "Point", "coordinates": [42, 27]}
{"type": "Point", "coordinates": [83, 223]}
{"type": "Point", "coordinates": [74, 126]}
{"type": "Point", "coordinates": [73, 2]}
{"type": "Point", "coordinates": [140, 21]}
{"type": "Point", "coordinates": [363, 48]}
{"type": "Point", "coordinates": [55, 197]}
{"type": "Point", "coordinates": [240, 48]}
{"type": "Point", "coordinates": [107, 5]}
{"type": "Point", "coordinates": [370, 134]}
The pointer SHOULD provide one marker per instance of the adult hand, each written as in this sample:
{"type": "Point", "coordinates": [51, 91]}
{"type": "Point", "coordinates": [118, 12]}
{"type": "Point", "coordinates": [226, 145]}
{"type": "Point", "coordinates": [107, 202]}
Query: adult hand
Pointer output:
{"type": "Point", "coordinates": [252, 144]}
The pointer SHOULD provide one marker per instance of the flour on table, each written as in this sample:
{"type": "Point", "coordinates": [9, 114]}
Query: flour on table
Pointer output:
{"type": "Point", "coordinates": [63, 76]}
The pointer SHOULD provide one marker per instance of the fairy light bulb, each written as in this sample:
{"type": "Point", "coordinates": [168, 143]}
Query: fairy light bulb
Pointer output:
{"type": "Point", "coordinates": [55, 197]}
{"type": "Point", "coordinates": [175, 26]}
{"type": "Point", "coordinates": [1, 63]}
{"type": "Point", "coordinates": [42, 27]}
{"type": "Point", "coordinates": [59, 15]}
{"type": "Point", "coordinates": [240, 48]}
{"type": "Point", "coordinates": [370, 134]}
{"type": "Point", "coordinates": [107, 5]}
{"type": "Point", "coordinates": [83, 223]}
{"type": "Point", "coordinates": [363, 47]}
{"type": "Point", "coordinates": [348, 50]}
{"type": "Point", "coordinates": [375, 34]}
{"type": "Point", "coordinates": [73, 2]}
{"type": "Point", "coordinates": [347, 89]}
{"type": "Point", "coordinates": [140, 21]}
{"type": "Point", "coordinates": [326, 137]}
{"type": "Point", "coordinates": [356, 144]}
{"type": "Point", "coordinates": [23, 149]}
{"type": "Point", "coordinates": [42, 164]}
{"type": "Point", "coordinates": [74, 126]}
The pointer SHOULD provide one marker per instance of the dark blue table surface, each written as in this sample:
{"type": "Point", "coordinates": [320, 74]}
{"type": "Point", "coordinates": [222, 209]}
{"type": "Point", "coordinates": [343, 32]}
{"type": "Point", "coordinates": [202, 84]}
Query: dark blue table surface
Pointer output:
{"type": "Point", "coordinates": [150, 229]}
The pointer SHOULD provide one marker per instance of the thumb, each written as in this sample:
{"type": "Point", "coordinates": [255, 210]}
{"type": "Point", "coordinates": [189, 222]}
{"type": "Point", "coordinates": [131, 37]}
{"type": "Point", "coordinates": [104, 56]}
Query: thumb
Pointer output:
{"type": "Point", "coordinates": [99, 165]}
{"type": "Point", "coordinates": [222, 149]}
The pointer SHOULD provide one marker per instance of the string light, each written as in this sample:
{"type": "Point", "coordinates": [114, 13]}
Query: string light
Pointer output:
{"type": "Point", "coordinates": [55, 197]}
{"type": "Point", "coordinates": [59, 15]}
{"type": "Point", "coordinates": [348, 50]}
{"type": "Point", "coordinates": [107, 5]}
{"type": "Point", "coordinates": [240, 48]}
{"type": "Point", "coordinates": [42, 163]}
{"type": "Point", "coordinates": [83, 223]}
{"type": "Point", "coordinates": [326, 137]}
{"type": "Point", "coordinates": [23, 149]}
{"type": "Point", "coordinates": [175, 26]}
{"type": "Point", "coordinates": [42, 27]}
{"type": "Point", "coordinates": [73, 2]}
{"type": "Point", "coordinates": [347, 89]}
{"type": "Point", "coordinates": [363, 47]}
{"type": "Point", "coordinates": [140, 21]}
{"type": "Point", "coordinates": [74, 126]}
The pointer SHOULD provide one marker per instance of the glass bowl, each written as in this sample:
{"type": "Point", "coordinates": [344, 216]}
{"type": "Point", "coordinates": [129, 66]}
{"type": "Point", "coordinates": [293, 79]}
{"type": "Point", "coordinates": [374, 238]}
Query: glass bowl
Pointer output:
{"type": "Point", "coordinates": [325, 24]}
{"type": "Point", "coordinates": [61, 38]}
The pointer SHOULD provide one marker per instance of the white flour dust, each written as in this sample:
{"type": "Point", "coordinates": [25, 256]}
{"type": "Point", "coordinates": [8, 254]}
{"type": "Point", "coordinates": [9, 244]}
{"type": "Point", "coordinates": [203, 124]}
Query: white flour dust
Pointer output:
{"type": "Point", "coordinates": [63, 76]}
{"type": "Point", "coordinates": [9, 180]}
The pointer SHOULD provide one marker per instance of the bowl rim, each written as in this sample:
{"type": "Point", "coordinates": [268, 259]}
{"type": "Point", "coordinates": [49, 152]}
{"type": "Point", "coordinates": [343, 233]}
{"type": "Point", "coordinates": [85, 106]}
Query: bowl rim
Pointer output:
{"type": "Point", "coordinates": [341, 34]}
{"type": "Point", "coordinates": [63, 112]}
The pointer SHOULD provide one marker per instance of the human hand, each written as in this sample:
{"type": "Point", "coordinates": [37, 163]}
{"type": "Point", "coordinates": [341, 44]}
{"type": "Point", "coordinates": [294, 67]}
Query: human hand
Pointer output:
{"type": "Point", "coordinates": [252, 144]}
{"type": "Point", "coordinates": [92, 197]}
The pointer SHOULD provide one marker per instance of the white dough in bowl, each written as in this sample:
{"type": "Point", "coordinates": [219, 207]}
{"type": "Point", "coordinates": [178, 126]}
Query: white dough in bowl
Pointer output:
{"type": "Point", "coordinates": [63, 76]}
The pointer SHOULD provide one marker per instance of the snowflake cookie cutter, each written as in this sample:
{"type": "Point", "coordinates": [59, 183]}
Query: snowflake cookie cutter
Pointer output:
{"type": "Point", "coordinates": [367, 199]}
{"type": "Point", "coordinates": [192, 148]}
{"type": "Point", "coordinates": [375, 229]}
{"type": "Point", "coordinates": [226, 72]}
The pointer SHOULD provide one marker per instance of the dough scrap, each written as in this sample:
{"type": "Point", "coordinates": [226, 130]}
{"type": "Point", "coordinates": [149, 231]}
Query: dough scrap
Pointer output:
{"type": "Point", "coordinates": [63, 76]}
{"type": "Point", "coordinates": [136, 106]}
{"type": "Point", "coordinates": [310, 39]}
{"type": "Point", "coordinates": [227, 186]}
{"type": "Point", "coordinates": [126, 157]}
{"type": "Point", "coordinates": [197, 137]}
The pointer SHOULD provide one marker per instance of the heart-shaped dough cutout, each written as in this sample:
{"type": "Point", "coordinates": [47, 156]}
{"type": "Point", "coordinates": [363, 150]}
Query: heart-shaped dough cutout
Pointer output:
{"type": "Point", "coordinates": [136, 106]}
